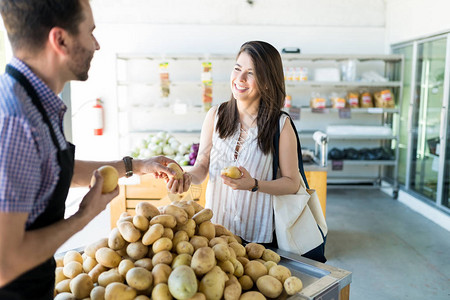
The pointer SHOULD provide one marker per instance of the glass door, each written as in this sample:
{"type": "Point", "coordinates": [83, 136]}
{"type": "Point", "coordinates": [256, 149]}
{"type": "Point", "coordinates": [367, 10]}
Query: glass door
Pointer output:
{"type": "Point", "coordinates": [429, 94]}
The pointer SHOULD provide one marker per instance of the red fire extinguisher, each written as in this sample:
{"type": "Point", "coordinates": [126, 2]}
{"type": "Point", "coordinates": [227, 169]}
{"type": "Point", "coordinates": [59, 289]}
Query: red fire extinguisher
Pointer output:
{"type": "Point", "coordinates": [98, 117]}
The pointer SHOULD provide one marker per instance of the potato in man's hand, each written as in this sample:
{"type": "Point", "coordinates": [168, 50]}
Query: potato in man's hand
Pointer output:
{"type": "Point", "coordinates": [177, 169]}
{"type": "Point", "coordinates": [110, 178]}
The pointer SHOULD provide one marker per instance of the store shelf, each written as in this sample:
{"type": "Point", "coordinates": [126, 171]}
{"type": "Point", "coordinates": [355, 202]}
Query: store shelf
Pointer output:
{"type": "Point", "coordinates": [369, 162]}
{"type": "Point", "coordinates": [370, 110]}
{"type": "Point", "coordinates": [361, 137]}
{"type": "Point", "coordinates": [343, 57]}
{"type": "Point", "coordinates": [342, 84]}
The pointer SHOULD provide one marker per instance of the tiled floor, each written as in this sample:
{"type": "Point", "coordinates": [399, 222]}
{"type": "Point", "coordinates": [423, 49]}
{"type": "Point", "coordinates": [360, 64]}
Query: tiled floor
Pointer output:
{"type": "Point", "coordinates": [393, 252]}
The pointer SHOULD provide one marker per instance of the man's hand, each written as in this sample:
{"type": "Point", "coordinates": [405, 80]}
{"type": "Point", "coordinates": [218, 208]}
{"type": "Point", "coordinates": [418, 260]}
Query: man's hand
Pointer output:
{"type": "Point", "coordinates": [156, 165]}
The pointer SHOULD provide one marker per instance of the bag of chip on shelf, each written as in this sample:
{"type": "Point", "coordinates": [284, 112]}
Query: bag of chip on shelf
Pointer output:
{"type": "Point", "coordinates": [207, 85]}
{"type": "Point", "coordinates": [384, 99]}
{"type": "Point", "coordinates": [164, 79]}
{"type": "Point", "coordinates": [337, 101]}
{"type": "Point", "coordinates": [317, 101]}
{"type": "Point", "coordinates": [353, 99]}
{"type": "Point", "coordinates": [366, 100]}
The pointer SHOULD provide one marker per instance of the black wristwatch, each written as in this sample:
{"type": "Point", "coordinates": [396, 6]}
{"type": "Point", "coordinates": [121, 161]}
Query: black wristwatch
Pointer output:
{"type": "Point", "coordinates": [256, 187]}
{"type": "Point", "coordinates": [128, 161]}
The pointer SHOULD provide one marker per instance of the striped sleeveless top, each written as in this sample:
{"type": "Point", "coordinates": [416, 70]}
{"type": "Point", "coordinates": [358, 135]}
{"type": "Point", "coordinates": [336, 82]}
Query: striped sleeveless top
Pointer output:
{"type": "Point", "coordinates": [245, 213]}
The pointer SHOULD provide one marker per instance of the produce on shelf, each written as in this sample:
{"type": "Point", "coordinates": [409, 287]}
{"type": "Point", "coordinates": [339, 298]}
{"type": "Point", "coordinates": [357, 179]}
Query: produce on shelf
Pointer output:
{"type": "Point", "coordinates": [172, 251]}
{"type": "Point", "coordinates": [163, 143]}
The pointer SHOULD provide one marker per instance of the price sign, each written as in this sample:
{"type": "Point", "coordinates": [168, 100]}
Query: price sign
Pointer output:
{"type": "Point", "coordinates": [345, 113]}
{"type": "Point", "coordinates": [295, 112]}
{"type": "Point", "coordinates": [319, 110]}
{"type": "Point", "coordinates": [337, 165]}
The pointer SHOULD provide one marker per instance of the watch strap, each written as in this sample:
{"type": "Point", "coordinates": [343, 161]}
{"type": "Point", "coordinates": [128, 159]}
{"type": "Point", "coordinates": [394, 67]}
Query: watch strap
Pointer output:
{"type": "Point", "coordinates": [128, 161]}
{"type": "Point", "coordinates": [255, 187]}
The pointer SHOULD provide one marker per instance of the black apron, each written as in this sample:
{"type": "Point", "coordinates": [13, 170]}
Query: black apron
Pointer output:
{"type": "Point", "coordinates": [39, 282]}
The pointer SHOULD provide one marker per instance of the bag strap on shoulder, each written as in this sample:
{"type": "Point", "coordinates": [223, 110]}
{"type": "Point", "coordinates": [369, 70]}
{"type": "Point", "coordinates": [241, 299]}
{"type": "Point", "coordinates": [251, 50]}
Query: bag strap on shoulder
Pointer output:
{"type": "Point", "coordinates": [276, 144]}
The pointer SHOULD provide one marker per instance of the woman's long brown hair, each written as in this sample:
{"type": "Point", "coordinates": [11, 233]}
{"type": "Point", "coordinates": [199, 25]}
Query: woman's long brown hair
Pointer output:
{"type": "Point", "coordinates": [268, 70]}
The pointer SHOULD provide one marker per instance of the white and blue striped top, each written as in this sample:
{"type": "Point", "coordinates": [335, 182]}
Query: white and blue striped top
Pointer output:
{"type": "Point", "coordinates": [29, 169]}
{"type": "Point", "coordinates": [245, 213]}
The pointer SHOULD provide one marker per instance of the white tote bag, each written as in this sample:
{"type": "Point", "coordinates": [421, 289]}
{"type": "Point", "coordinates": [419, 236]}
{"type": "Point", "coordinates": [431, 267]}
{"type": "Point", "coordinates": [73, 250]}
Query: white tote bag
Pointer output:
{"type": "Point", "coordinates": [297, 217]}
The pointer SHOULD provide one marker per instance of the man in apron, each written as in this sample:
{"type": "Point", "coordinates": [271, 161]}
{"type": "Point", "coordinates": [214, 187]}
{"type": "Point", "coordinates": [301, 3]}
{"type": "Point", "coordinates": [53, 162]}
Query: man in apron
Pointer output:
{"type": "Point", "coordinates": [52, 44]}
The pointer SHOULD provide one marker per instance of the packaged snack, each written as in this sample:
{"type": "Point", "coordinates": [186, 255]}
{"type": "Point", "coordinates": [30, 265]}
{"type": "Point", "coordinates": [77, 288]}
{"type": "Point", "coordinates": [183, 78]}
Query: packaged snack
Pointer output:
{"type": "Point", "coordinates": [337, 101]}
{"type": "Point", "coordinates": [384, 99]}
{"type": "Point", "coordinates": [207, 83]}
{"type": "Point", "coordinates": [365, 100]}
{"type": "Point", "coordinates": [288, 101]}
{"type": "Point", "coordinates": [303, 74]}
{"type": "Point", "coordinates": [353, 99]}
{"type": "Point", "coordinates": [317, 101]}
{"type": "Point", "coordinates": [164, 79]}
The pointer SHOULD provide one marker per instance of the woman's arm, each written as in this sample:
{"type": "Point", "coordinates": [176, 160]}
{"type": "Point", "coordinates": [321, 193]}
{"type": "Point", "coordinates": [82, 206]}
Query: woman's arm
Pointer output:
{"type": "Point", "coordinates": [289, 182]}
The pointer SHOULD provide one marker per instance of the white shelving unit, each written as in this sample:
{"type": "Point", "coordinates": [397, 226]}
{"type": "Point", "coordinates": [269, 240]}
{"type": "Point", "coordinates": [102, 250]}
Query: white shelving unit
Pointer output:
{"type": "Point", "coordinates": [141, 110]}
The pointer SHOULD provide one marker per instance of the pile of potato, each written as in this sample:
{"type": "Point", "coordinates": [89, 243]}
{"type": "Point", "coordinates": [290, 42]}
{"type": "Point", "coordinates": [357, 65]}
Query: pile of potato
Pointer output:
{"type": "Point", "coordinates": [173, 251]}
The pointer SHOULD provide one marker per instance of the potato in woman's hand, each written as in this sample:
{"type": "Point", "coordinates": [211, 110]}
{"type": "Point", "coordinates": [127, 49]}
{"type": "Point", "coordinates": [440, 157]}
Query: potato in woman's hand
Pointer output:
{"type": "Point", "coordinates": [178, 171]}
{"type": "Point", "coordinates": [232, 172]}
{"type": "Point", "coordinates": [110, 178]}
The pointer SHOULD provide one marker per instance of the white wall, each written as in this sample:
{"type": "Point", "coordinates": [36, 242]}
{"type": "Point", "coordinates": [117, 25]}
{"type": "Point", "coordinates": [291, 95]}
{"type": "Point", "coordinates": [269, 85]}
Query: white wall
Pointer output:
{"type": "Point", "coordinates": [412, 19]}
{"type": "Point", "coordinates": [212, 26]}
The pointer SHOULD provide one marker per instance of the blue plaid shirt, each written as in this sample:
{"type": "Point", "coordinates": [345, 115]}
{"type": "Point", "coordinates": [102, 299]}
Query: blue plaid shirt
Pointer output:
{"type": "Point", "coordinates": [29, 169]}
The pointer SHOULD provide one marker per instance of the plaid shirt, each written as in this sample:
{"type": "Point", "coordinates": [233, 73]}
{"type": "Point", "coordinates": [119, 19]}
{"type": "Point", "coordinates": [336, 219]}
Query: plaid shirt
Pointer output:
{"type": "Point", "coordinates": [29, 169]}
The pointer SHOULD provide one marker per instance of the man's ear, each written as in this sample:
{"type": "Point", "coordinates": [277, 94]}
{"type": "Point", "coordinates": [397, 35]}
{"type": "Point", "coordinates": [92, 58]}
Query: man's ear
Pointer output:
{"type": "Point", "coordinates": [58, 39]}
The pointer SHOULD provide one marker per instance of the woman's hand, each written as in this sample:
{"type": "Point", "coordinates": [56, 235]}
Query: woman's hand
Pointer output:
{"type": "Point", "coordinates": [181, 185]}
{"type": "Point", "coordinates": [246, 182]}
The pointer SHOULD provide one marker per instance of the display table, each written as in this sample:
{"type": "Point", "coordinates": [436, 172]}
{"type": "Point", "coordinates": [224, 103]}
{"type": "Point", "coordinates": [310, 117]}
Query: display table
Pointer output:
{"type": "Point", "coordinates": [155, 191]}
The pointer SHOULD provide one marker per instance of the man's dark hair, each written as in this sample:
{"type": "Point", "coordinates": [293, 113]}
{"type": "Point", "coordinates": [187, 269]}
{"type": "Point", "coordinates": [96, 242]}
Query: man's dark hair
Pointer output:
{"type": "Point", "coordinates": [28, 22]}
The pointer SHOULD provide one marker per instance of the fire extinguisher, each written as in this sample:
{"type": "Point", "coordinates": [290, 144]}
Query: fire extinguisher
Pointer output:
{"type": "Point", "coordinates": [98, 117]}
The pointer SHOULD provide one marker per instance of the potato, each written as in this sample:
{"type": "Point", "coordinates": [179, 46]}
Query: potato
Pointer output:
{"type": "Point", "coordinates": [110, 276]}
{"type": "Point", "coordinates": [139, 278]}
{"type": "Point", "coordinates": [217, 240]}
{"type": "Point", "coordinates": [237, 238]}
{"type": "Point", "coordinates": [72, 255]}
{"type": "Point", "coordinates": [92, 248]}
{"type": "Point", "coordinates": [280, 272]}
{"type": "Point", "coordinates": [254, 250]}
{"type": "Point", "coordinates": [162, 244]}
{"type": "Point", "coordinates": [110, 178]}
{"type": "Point", "coordinates": [59, 261]}
{"type": "Point", "coordinates": [188, 208]}
{"type": "Point", "coordinates": [232, 172]}
{"type": "Point", "coordinates": [238, 267]}
{"type": "Point", "coordinates": [182, 259]}
{"type": "Point", "coordinates": [238, 248]}
{"type": "Point", "coordinates": [144, 263]}
{"type": "Point", "coordinates": [65, 296]}
{"type": "Point", "coordinates": [270, 255]}
{"type": "Point", "coordinates": [98, 293]}
{"type": "Point", "coordinates": [269, 264]}
{"type": "Point", "coordinates": [204, 215]}
{"type": "Point", "coordinates": [189, 227]}
{"type": "Point", "coordinates": [129, 233]}
{"type": "Point", "coordinates": [221, 230]}
{"type": "Point", "coordinates": [137, 250]}
{"type": "Point", "coordinates": [168, 233]}
{"type": "Point", "coordinates": [293, 285]}
{"type": "Point", "coordinates": [246, 282]}
{"type": "Point", "coordinates": [59, 274]}
{"type": "Point", "coordinates": [124, 266]}
{"type": "Point", "coordinates": [63, 286]}
{"type": "Point", "coordinates": [161, 273]}
{"type": "Point", "coordinates": [182, 282]}
{"type": "Point", "coordinates": [180, 236]}
{"type": "Point", "coordinates": [146, 209]}
{"type": "Point", "coordinates": [119, 291]}
{"type": "Point", "coordinates": [161, 292]}
{"type": "Point", "coordinates": [141, 297]}
{"type": "Point", "coordinates": [207, 230]}
{"type": "Point", "coordinates": [243, 260]}
{"type": "Point", "coordinates": [81, 286]}
{"type": "Point", "coordinates": [232, 290]}
{"type": "Point", "coordinates": [140, 222]}
{"type": "Point", "coordinates": [72, 269]}
{"type": "Point", "coordinates": [221, 251]}
{"type": "Point", "coordinates": [180, 214]}
{"type": "Point", "coordinates": [213, 284]}
{"type": "Point", "coordinates": [178, 171]}
{"type": "Point", "coordinates": [197, 207]}
{"type": "Point", "coordinates": [96, 271]}
{"type": "Point", "coordinates": [255, 269]}
{"type": "Point", "coordinates": [198, 242]}
{"type": "Point", "coordinates": [252, 296]}
{"type": "Point", "coordinates": [269, 286]}
{"type": "Point", "coordinates": [163, 257]}
{"type": "Point", "coordinates": [107, 257]}
{"type": "Point", "coordinates": [124, 219]}
{"type": "Point", "coordinates": [226, 266]}
{"type": "Point", "coordinates": [198, 296]}
{"type": "Point", "coordinates": [184, 247]}
{"type": "Point", "coordinates": [115, 239]}
{"type": "Point", "coordinates": [203, 260]}
{"type": "Point", "coordinates": [165, 220]}
{"type": "Point", "coordinates": [154, 232]}
{"type": "Point", "coordinates": [88, 264]}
